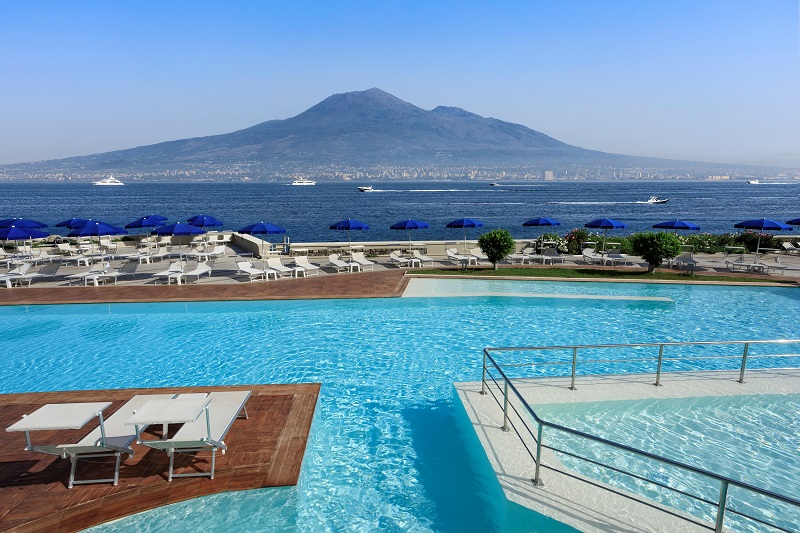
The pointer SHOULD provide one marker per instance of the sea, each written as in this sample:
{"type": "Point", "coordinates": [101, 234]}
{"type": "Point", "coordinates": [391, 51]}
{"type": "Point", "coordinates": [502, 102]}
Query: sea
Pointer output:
{"type": "Point", "coordinates": [307, 211]}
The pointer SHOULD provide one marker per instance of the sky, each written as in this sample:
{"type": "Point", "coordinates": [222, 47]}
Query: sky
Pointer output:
{"type": "Point", "coordinates": [714, 80]}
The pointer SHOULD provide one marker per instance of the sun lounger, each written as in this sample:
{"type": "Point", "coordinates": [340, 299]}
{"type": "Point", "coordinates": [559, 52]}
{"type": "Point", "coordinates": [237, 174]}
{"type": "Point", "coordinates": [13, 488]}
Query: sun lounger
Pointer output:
{"type": "Point", "coordinates": [275, 264]}
{"type": "Point", "coordinates": [478, 254]}
{"type": "Point", "coordinates": [683, 260]}
{"type": "Point", "coordinates": [790, 248]}
{"type": "Point", "coordinates": [111, 438]}
{"type": "Point", "coordinates": [422, 258]}
{"type": "Point", "coordinates": [615, 257]}
{"type": "Point", "coordinates": [67, 249]}
{"type": "Point", "coordinates": [459, 259]}
{"type": "Point", "coordinates": [301, 261]}
{"type": "Point", "coordinates": [175, 267]}
{"type": "Point", "coordinates": [550, 254]}
{"type": "Point", "coordinates": [47, 271]}
{"type": "Point", "coordinates": [591, 257]}
{"type": "Point", "coordinates": [363, 262]}
{"type": "Point", "coordinates": [92, 274]}
{"type": "Point", "coordinates": [336, 262]}
{"type": "Point", "coordinates": [21, 270]}
{"type": "Point", "coordinates": [183, 277]}
{"type": "Point", "coordinates": [246, 269]}
{"type": "Point", "coordinates": [207, 433]}
{"type": "Point", "coordinates": [742, 265]}
{"type": "Point", "coordinates": [395, 257]}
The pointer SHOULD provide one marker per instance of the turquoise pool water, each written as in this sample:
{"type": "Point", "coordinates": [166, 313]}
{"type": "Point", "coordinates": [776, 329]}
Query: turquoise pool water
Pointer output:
{"type": "Point", "coordinates": [753, 439]}
{"type": "Point", "coordinates": [388, 450]}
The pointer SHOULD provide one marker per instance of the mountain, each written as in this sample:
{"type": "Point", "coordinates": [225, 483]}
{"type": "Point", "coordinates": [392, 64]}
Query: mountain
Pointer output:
{"type": "Point", "coordinates": [359, 130]}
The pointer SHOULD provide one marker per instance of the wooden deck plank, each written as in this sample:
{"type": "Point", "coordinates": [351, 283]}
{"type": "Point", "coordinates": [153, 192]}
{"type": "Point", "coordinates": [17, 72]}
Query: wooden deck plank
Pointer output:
{"type": "Point", "coordinates": [33, 492]}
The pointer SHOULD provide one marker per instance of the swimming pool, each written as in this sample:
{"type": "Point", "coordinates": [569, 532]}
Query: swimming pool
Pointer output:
{"type": "Point", "coordinates": [388, 450]}
{"type": "Point", "coordinates": [754, 439]}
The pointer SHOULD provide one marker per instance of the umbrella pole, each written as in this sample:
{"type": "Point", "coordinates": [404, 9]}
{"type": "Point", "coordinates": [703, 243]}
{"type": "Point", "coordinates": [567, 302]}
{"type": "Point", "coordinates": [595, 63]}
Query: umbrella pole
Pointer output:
{"type": "Point", "coordinates": [758, 246]}
{"type": "Point", "coordinates": [465, 239]}
{"type": "Point", "coordinates": [605, 234]}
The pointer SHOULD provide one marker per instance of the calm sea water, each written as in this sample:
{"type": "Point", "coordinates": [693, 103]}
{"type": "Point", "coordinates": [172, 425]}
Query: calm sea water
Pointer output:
{"type": "Point", "coordinates": [306, 212]}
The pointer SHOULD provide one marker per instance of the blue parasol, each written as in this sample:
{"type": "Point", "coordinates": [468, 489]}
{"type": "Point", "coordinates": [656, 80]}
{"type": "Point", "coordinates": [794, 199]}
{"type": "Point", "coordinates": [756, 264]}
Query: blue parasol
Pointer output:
{"type": "Point", "coordinates": [408, 225]}
{"type": "Point", "coordinates": [262, 228]}
{"type": "Point", "coordinates": [149, 221]}
{"type": "Point", "coordinates": [676, 225]}
{"type": "Point", "coordinates": [605, 224]}
{"type": "Point", "coordinates": [203, 221]}
{"type": "Point", "coordinates": [22, 223]}
{"type": "Point", "coordinates": [541, 221]}
{"type": "Point", "coordinates": [178, 229]}
{"type": "Point", "coordinates": [465, 223]}
{"type": "Point", "coordinates": [14, 233]}
{"type": "Point", "coordinates": [762, 224]}
{"type": "Point", "coordinates": [73, 223]}
{"type": "Point", "coordinates": [794, 222]}
{"type": "Point", "coordinates": [349, 225]}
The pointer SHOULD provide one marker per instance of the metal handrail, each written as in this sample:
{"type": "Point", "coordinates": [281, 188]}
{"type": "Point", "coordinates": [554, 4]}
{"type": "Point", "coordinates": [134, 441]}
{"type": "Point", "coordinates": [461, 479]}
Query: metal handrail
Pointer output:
{"type": "Point", "coordinates": [725, 482]}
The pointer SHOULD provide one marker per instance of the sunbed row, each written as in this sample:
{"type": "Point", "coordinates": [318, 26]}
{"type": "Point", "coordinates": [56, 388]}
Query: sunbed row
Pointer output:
{"type": "Point", "coordinates": [205, 421]}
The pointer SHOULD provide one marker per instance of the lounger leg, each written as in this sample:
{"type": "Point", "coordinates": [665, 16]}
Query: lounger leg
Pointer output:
{"type": "Point", "coordinates": [213, 461]}
{"type": "Point", "coordinates": [116, 469]}
{"type": "Point", "coordinates": [171, 453]}
{"type": "Point", "coordinates": [74, 460]}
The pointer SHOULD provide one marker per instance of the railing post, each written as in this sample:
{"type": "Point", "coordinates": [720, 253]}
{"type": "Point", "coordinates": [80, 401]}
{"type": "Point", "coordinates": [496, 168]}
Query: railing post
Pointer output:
{"type": "Point", "coordinates": [483, 374]}
{"type": "Point", "coordinates": [723, 499]}
{"type": "Point", "coordinates": [574, 367]}
{"type": "Point", "coordinates": [505, 406]}
{"type": "Point", "coordinates": [744, 362]}
{"type": "Point", "coordinates": [660, 361]}
{"type": "Point", "coordinates": [537, 479]}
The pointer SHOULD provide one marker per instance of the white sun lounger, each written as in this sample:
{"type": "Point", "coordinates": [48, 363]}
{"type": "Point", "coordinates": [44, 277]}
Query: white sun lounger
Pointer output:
{"type": "Point", "coordinates": [199, 270]}
{"type": "Point", "coordinates": [275, 264]}
{"type": "Point", "coordinates": [301, 261]}
{"type": "Point", "coordinates": [459, 259]}
{"type": "Point", "coordinates": [47, 271]}
{"type": "Point", "coordinates": [395, 257]}
{"type": "Point", "coordinates": [207, 432]}
{"type": "Point", "coordinates": [246, 269]}
{"type": "Point", "coordinates": [92, 274]}
{"type": "Point", "coordinates": [550, 254]}
{"type": "Point", "coordinates": [336, 262]}
{"type": "Point", "coordinates": [111, 438]}
{"type": "Point", "coordinates": [422, 258]}
{"type": "Point", "coordinates": [15, 272]}
{"type": "Point", "coordinates": [363, 262]}
{"type": "Point", "coordinates": [175, 267]}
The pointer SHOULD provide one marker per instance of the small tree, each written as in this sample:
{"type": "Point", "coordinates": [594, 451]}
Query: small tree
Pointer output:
{"type": "Point", "coordinates": [496, 244]}
{"type": "Point", "coordinates": [655, 247]}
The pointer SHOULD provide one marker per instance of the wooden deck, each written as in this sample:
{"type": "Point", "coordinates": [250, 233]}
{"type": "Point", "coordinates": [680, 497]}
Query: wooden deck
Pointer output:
{"type": "Point", "coordinates": [265, 450]}
{"type": "Point", "coordinates": [382, 284]}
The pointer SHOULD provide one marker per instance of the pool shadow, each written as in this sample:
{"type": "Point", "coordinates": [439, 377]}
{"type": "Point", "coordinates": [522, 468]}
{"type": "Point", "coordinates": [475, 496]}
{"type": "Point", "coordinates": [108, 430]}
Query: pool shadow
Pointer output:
{"type": "Point", "coordinates": [456, 477]}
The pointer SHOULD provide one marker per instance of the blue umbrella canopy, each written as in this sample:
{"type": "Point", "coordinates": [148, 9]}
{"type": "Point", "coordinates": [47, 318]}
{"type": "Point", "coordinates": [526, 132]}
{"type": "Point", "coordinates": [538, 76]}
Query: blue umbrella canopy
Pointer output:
{"type": "Point", "coordinates": [794, 222]}
{"type": "Point", "coordinates": [262, 228]}
{"type": "Point", "coordinates": [149, 221]}
{"type": "Point", "coordinates": [95, 228]}
{"type": "Point", "coordinates": [203, 221]}
{"type": "Point", "coordinates": [73, 223]}
{"type": "Point", "coordinates": [605, 224]}
{"type": "Point", "coordinates": [542, 221]}
{"type": "Point", "coordinates": [349, 225]}
{"type": "Point", "coordinates": [21, 223]}
{"type": "Point", "coordinates": [13, 233]}
{"type": "Point", "coordinates": [762, 224]}
{"type": "Point", "coordinates": [178, 229]}
{"type": "Point", "coordinates": [676, 225]}
{"type": "Point", "coordinates": [465, 223]}
{"type": "Point", "coordinates": [408, 225]}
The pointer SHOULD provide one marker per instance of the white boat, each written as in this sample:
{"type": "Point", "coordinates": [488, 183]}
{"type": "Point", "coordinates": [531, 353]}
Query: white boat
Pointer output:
{"type": "Point", "coordinates": [365, 188]}
{"type": "Point", "coordinates": [657, 200]}
{"type": "Point", "coordinates": [111, 180]}
{"type": "Point", "coordinates": [304, 181]}
{"type": "Point", "coordinates": [753, 182]}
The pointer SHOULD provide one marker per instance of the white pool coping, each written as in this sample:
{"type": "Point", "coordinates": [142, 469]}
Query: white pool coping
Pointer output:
{"type": "Point", "coordinates": [581, 502]}
{"type": "Point", "coordinates": [452, 288]}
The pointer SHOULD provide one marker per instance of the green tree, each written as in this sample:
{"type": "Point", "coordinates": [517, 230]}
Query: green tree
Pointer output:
{"type": "Point", "coordinates": [496, 244]}
{"type": "Point", "coordinates": [655, 247]}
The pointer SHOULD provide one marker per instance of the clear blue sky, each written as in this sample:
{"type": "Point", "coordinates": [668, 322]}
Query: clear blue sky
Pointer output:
{"type": "Point", "coordinates": [710, 80]}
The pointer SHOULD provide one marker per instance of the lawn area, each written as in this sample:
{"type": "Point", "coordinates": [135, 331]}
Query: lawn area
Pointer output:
{"type": "Point", "coordinates": [638, 275]}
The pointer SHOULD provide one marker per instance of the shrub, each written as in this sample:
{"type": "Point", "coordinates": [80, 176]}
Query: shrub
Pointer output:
{"type": "Point", "coordinates": [574, 239]}
{"type": "Point", "coordinates": [496, 244]}
{"type": "Point", "coordinates": [561, 242]}
{"type": "Point", "coordinates": [655, 247]}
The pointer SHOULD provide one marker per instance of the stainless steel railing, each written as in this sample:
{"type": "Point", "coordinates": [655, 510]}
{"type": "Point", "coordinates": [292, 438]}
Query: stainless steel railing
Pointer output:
{"type": "Point", "coordinates": [504, 382]}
